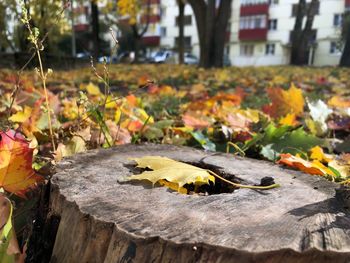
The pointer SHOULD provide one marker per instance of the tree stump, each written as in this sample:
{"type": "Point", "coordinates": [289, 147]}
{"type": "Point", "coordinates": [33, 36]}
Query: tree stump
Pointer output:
{"type": "Point", "coordinates": [103, 220]}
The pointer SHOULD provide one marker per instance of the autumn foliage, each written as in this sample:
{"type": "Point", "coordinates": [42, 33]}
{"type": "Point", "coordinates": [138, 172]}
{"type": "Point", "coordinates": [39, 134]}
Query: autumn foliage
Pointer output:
{"type": "Point", "coordinates": [278, 114]}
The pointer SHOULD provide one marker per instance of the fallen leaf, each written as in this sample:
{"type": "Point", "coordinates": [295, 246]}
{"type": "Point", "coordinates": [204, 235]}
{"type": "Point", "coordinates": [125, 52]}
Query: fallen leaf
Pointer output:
{"type": "Point", "coordinates": [16, 173]}
{"type": "Point", "coordinates": [174, 172]}
{"type": "Point", "coordinates": [315, 167]}
{"type": "Point", "coordinates": [9, 249]}
{"type": "Point", "coordinates": [339, 102]}
{"type": "Point", "coordinates": [284, 101]}
{"type": "Point", "coordinates": [75, 145]}
{"type": "Point", "coordinates": [289, 120]}
{"type": "Point", "coordinates": [21, 116]}
{"type": "Point", "coordinates": [204, 141]}
{"type": "Point", "coordinates": [316, 153]}
{"type": "Point", "coordinates": [93, 90]}
{"type": "Point", "coordinates": [195, 121]}
{"type": "Point", "coordinates": [319, 112]}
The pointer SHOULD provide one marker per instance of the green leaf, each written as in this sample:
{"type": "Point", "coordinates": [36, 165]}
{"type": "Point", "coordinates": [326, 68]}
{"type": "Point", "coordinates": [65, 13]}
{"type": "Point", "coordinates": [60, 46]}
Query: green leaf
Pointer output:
{"type": "Point", "coordinates": [153, 133]}
{"type": "Point", "coordinates": [273, 133]}
{"type": "Point", "coordinates": [97, 116]}
{"type": "Point", "coordinates": [6, 235]}
{"type": "Point", "coordinates": [269, 153]}
{"type": "Point", "coordinates": [163, 124]}
{"type": "Point", "coordinates": [296, 141]}
{"type": "Point", "coordinates": [204, 141]}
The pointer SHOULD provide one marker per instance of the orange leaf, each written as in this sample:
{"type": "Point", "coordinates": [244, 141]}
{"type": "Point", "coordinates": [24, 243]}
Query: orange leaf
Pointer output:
{"type": "Point", "coordinates": [16, 173]}
{"type": "Point", "coordinates": [195, 121]}
{"type": "Point", "coordinates": [339, 102]}
{"type": "Point", "coordinates": [314, 167]}
{"type": "Point", "coordinates": [284, 102]}
{"type": "Point", "coordinates": [143, 81]}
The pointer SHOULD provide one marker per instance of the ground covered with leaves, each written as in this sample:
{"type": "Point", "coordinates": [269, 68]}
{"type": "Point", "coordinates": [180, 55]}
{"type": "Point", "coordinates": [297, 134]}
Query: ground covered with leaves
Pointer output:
{"type": "Point", "coordinates": [297, 117]}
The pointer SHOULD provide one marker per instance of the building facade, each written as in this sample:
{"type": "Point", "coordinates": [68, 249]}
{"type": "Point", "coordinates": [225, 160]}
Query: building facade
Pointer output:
{"type": "Point", "coordinates": [265, 27]}
{"type": "Point", "coordinates": [260, 31]}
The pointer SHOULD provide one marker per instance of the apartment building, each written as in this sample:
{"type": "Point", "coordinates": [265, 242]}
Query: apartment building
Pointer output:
{"type": "Point", "coordinates": [170, 30]}
{"type": "Point", "coordinates": [265, 27]}
{"type": "Point", "coordinates": [259, 31]}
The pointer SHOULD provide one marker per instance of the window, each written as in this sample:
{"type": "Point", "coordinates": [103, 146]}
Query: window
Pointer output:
{"type": "Point", "coordinates": [252, 22]}
{"type": "Point", "coordinates": [187, 42]}
{"type": "Point", "coordinates": [272, 24]}
{"type": "Point", "coordinates": [247, 50]}
{"type": "Point", "coordinates": [337, 20]}
{"type": "Point", "coordinates": [335, 48]}
{"type": "Point", "coordinates": [273, 2]}
{"type": "Point", "coordinates": [187, 20]}
{"type": "Point", "coordinates": [295, 9]}
{"type": "Point", "coordinates": [253, 2]}
{"type": "Point", "coordinates": [270, 49]}
{"type": "Point", "coordinates": [163, 31]}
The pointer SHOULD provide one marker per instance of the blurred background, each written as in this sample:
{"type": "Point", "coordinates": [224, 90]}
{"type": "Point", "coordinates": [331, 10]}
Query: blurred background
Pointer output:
{"type": "Point", "coordinates": [198, 32]}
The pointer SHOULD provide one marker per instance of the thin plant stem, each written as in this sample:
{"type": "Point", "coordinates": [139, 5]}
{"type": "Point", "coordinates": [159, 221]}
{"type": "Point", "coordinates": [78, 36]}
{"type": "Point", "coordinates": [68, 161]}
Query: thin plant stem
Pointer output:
{"type": "Point", "coordinates": [241, 185]}
{"type": "Point", "coordinates": [47, 105]}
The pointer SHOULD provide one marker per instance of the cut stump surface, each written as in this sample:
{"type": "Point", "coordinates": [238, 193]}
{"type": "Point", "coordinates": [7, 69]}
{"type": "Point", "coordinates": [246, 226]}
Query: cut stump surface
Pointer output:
{"type": "Point", "coordinates": [104, 220]}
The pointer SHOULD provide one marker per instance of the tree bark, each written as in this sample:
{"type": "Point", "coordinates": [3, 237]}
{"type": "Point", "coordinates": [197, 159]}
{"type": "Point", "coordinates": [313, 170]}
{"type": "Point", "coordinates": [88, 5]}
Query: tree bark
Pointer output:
{"type": "Point", "coordinates": [302, 36]}
{"type": "Point", "coordinates": [345, 57]}
{"type": "Point", "coordinates": [297, 32]}
{"type": "Point", "coordinates": [223, 17]}
{"type": "Point", "coordinates": [211, 27]}
{"type": "Point", "coordinates": [181, 24]}
{"type": "Point", "coordinates": [95, 30]}
{"type": "Point", "coordinates": [105, 219]}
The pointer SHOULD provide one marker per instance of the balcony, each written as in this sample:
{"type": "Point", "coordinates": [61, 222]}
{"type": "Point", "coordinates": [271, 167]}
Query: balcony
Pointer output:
{"type": "Point", "coordinates": [254, 9]}
{"type": "Point", "coordinates": [81, 27]}
{"type": "Point", "coordinates": [347, 4]}
{"type": "Point", "coordinates": [151, 41]}
{"type": "Point", "coordinates": [255, 34]}
{"type": "Point", "coordinates": [152, 19]}
{"type": "Point", "coordinates": [145, 2]}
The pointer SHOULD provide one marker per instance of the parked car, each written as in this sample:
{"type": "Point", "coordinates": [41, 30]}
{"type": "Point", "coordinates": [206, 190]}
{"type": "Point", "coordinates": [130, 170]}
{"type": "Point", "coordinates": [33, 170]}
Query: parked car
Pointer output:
{"type": "Point", "coordinates": [161, 56]}
{"type": "Point", "coordinates": [190, 59]}
{"type": "Point", "coordinates": [108, 59]}
{"type": "Point", "coordinates": [83, 55]}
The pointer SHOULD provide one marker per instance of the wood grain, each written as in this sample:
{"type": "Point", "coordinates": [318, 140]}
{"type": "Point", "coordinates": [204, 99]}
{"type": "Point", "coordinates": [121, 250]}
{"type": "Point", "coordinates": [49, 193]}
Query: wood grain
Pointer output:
{"type": "Point", "coordinates": [104, 220]}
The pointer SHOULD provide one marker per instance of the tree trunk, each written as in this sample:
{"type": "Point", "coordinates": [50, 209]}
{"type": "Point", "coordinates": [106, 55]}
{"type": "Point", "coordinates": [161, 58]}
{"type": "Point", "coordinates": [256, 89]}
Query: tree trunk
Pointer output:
{"type": "Point", "coordinates": [207, 60]}
{"type": "Point", "coordinates": [221, 24]}
{"type": "Point", "coordinates": [345, 57]}
{"type": "Point", "coordinates": [300, 45]}
{"type": "Point", "coordinates": [138, 35]}
{"type": "Point", "coordinates": [103, 219]}
{"type": "Point", "coordinates": [297, 32]}
{"type": "Point", "coordinates": [181, 24]}
{"type": "Point", "coordinates": [211, 27]}
{"type": "Point", "coordinates": [95, 30]}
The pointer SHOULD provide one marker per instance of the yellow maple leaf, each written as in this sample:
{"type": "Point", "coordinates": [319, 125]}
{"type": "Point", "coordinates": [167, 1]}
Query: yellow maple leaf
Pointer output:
{"type": "Point", "coordinates": [93, 90]}
{"type": "Point", "coordinates": [176, 173]}
{"type": "Point", "coordinates": [21, 116]}
{"type": "Point", "coordinates": [289, 120]}
{"type": "Point", "coordinates": [285, 101]}
{"type": "Point", "coordinates": [316, 153]}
